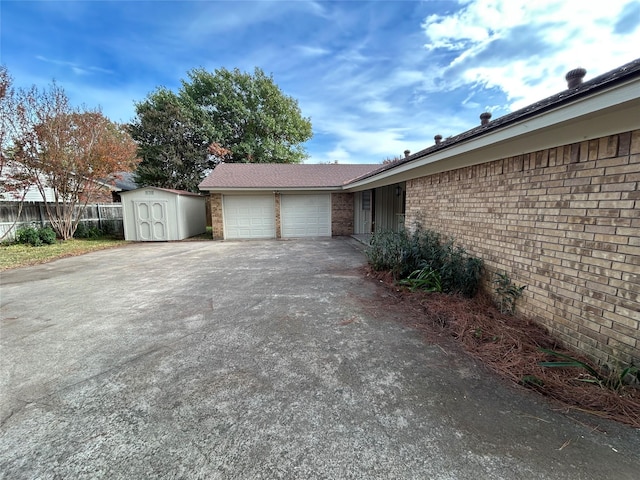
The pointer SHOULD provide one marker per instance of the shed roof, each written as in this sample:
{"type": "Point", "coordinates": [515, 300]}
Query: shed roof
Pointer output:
{"type": "Point", "coordinates": [283, 175]}
{"type": "Point", "coordinates": [177, 192]}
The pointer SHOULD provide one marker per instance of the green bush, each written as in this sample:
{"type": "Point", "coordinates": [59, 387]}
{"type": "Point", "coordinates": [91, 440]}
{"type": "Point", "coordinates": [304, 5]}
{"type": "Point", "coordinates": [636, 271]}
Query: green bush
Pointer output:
{"type": "Point", "coordinates": [47, 235]}
{"type": "Point", "coordinates": [422, 257]}
{"type": "Point", "coordinates": [35, 236]}
{"type": "Point", "coordinates": [389, 251]}
{"type": "Point", "coordinates": [87, 231]}
{"type": "Point", "coordinates": [28, 236]}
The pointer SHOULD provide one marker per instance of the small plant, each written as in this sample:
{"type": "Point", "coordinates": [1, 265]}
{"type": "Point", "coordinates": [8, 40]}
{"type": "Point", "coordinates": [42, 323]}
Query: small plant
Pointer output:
{"type": "Point", "coordinates": [424, 279]}
{"type": "Point", "coordinates": [507, 292]}
{"type": "Point", "coordinates": [532, 380]}
{"type": "Point", "coordinates": [615, 381]}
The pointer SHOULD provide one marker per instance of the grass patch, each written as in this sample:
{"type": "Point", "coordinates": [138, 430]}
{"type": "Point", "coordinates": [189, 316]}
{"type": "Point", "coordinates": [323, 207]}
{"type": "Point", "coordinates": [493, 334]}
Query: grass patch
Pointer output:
{"type": "Point", "coordinates": [20, 255]}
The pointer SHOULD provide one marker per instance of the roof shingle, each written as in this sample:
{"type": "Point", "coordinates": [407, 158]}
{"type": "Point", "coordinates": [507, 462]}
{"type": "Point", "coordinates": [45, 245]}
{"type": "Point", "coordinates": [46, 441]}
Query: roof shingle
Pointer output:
{"type": "Point", "coordinates": [283, 175]}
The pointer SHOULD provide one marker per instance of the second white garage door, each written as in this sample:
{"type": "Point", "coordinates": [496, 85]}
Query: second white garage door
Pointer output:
{"type": "Point", "coordinates": [249, 216]}
{"type": "Point", "coordinates": [305, 215]}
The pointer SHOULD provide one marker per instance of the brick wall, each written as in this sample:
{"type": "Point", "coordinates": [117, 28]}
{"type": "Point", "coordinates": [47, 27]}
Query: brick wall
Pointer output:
{"type": "Point", "coordinates": [563, 221]}
{"type": "Point", "coordinates": [341, 214]}
{"type": "Point", "coordinates": [278, 216]}
{"type": "Point", "coordinates": [217, 226]}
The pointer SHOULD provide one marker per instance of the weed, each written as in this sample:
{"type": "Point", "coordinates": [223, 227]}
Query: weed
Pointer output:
{"type": "Point", "coordinates": [531, 380]}
{"type": "Point", "coordinates": [507, 292]}
{"type": "Point", "coordinates": [615, 381]}
{"type": "Point", "coordinates": [424, 279]}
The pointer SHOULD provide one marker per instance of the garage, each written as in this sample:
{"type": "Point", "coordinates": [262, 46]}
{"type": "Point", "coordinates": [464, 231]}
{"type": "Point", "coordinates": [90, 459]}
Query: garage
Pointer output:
{"type": "Point", "coordinates": [273, 200]}
{"type": "Point", "coordinates": [249, 216]}
{"type": "Point", "coordinates": [305, 215]}
{"type": "Point", "coordinates": [154, 214]}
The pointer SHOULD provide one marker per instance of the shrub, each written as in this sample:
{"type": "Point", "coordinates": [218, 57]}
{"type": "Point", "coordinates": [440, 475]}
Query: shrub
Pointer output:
{"type": "Point", "coordinates": [47, 235]}
{"type": "Point", "coordinates": [28, 236]}
{"type": "Point", "coordinates": [419, 258]}
{"type": "Point", "coordinates": [87, 231]}
{"type": "Point", "coordinates": [388, 251]}
{"type": "Point", "coordinates": [35, 236]}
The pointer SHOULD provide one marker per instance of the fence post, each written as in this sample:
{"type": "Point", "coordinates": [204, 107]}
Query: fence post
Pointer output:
{"type": "Point", "coordinates": [41, 215]}
{"type": "Point", "coordinates": [99, 217]}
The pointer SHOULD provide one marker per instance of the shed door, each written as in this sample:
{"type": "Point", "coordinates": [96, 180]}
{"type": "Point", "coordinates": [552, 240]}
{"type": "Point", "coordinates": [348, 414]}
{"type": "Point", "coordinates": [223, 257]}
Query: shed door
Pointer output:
{"type": "Point", "coordinates": [249, 216]}
{"type": "Point", "coordinates": [151, 220]}
{"type": "Point", "coordinates": [306, 215]}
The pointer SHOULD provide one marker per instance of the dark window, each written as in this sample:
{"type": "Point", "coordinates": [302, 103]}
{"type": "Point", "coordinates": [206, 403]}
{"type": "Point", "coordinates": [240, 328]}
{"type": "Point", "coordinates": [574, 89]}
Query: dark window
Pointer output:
{"type": "Point", "coordinates": [366, 200]}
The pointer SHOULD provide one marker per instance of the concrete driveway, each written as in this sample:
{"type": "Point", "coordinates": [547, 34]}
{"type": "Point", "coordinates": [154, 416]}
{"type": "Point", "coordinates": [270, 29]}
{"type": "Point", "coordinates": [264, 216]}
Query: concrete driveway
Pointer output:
{"type": "Point", "coordinates": [258, 360]}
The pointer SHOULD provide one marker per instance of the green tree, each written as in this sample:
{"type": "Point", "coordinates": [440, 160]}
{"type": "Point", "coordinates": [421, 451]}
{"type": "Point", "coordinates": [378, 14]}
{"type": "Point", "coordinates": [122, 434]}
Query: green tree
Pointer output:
{"type": "Point", "coordinates": [172, 147]}
{"type": "Point", "coordinates": [248, 115]}
{"type": "Point", "coordinates": [227, 116]}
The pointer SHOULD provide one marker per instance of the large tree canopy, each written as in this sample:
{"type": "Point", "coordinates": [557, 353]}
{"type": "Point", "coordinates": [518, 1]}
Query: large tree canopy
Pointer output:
{"type": "Point", "coordinates": [227, 116]}
{"type": "Point", "coordinates": [173, 149]}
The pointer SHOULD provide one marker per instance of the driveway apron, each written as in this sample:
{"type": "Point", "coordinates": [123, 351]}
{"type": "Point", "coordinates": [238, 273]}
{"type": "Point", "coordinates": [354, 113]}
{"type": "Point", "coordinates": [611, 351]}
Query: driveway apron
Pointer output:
{"type": "Point", "coordinates": [259, 360]}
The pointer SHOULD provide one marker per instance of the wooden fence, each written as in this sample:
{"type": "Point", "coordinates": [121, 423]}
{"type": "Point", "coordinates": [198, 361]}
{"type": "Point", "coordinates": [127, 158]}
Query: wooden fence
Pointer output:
{"type": "Point", "coordinates": [106, 216]}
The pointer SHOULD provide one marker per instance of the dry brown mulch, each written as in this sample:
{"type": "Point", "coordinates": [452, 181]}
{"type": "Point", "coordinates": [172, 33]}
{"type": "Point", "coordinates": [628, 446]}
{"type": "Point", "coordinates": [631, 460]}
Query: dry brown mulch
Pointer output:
{"type": "Point", "coordinates": [509, 345]}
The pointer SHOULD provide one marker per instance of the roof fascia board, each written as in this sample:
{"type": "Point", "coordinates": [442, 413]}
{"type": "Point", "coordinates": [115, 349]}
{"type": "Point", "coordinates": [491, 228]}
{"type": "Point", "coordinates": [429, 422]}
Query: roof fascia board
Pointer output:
{"type": "Point", "coordinates": [604, 113]}
{"type": "Point", "coordinates": [270, 189]}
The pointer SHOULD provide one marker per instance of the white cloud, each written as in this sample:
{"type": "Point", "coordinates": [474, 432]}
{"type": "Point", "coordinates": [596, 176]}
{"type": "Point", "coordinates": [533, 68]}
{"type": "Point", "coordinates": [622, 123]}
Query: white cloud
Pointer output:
{"type": "Point", "coordinates": [525, 48]}
{"type": "Point", "coordinates": [76, 68]}
{"type": "Point", "coordinates": [309, 51]}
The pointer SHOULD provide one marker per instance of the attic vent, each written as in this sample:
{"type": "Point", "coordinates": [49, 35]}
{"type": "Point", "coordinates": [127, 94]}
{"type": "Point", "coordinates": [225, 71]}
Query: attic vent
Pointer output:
{"type": "Point", "coordinates": [438, 139]}
{"type": "Point", "coordinates": [574, 77]}
{"type": "Point", "coordinates": [484, 118]}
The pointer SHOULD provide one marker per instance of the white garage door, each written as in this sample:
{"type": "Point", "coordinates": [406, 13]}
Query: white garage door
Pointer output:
{"type": "Point", "coordinates": [305, 215]}
{"type": "Point", "coordinates": [250, 216]}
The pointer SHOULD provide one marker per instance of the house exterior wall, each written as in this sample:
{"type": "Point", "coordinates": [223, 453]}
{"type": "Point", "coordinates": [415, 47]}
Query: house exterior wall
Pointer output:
{"type": "Point", "coordinates": [100, 195]}
{"type": "Point", "coordinates": [565, 222]}
{"type": "Point", "coordinates": [342, 214]}
{"type": "Point", "coordinates": [217, 221]}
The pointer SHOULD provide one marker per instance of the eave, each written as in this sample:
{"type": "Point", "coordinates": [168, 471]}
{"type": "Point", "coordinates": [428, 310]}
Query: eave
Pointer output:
{"type": "Point", "coordinates": [605, 112]}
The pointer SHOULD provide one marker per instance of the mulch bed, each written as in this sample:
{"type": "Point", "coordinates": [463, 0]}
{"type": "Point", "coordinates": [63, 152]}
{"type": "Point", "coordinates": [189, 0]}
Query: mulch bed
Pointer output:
{"type": "Point", "coordinates": [509, 345]}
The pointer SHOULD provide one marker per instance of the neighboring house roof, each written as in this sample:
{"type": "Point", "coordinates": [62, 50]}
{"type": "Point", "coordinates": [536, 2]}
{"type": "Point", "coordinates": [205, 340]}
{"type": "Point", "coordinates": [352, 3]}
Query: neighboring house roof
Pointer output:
{"type": "Point", "coordinates": [124, 182]}
{"type": "Point", "coordinates": [170, 190]}
{"type": "Point", "coordinates": [282, 175]}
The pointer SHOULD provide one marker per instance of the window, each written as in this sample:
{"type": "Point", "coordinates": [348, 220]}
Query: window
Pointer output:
{"type": "Point", "coordinates": [366, 200]}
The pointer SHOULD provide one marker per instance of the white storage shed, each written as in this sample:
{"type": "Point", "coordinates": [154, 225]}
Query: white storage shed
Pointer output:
{"type": "Point", "coordinates": [153, 214]}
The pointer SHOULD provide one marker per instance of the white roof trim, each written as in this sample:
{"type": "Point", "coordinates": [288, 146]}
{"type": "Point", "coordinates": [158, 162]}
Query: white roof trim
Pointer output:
{"type": "Point", "coordinates": [603, 113]}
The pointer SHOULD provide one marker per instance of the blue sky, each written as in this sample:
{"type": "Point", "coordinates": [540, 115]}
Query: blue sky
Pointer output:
{"type": "Point", "coordinates": [375, 77]}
